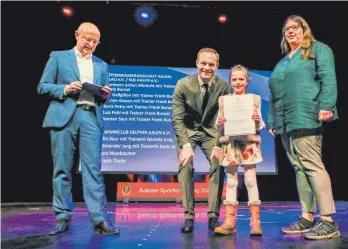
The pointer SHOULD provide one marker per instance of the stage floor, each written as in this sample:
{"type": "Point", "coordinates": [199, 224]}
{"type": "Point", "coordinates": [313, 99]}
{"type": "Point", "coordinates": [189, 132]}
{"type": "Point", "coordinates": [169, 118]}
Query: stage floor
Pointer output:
{"type": "Point", "coordinates": [155, 226]}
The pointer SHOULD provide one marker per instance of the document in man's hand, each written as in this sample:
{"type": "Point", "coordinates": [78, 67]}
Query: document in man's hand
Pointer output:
{"type": "Point", "coordinates": [238, 110]}
{"type": "Point", "coordinates": [95, 89]}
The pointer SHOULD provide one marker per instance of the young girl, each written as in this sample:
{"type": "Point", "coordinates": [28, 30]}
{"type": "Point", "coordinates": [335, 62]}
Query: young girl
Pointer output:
{"type": "Point", "coordinates": [233, 151]}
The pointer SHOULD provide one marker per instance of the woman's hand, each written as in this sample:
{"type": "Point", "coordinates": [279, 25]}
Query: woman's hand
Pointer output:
{"type": "Point", "coordinates": [325, 115]}
{"type": "Point", "coordinates": [272, 132]}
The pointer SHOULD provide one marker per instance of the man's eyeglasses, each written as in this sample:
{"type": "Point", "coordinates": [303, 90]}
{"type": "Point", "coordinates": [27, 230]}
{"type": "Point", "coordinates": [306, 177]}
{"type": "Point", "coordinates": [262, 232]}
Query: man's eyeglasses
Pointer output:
{"type": "Point", "coordinates": [95, 42]}
{"type": "Point", "coordinates": [292, 27]}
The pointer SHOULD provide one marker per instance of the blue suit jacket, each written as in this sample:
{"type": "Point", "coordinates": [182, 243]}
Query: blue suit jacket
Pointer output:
{"type": "Point", "coordinates": [62, 69]}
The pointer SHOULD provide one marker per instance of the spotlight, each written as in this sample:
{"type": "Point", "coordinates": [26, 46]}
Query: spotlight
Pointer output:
{"type": "Point", "coordinates": [67, 11]}
{"type": "Point", "coordinates": [222, 18]}
{"type": "Point", "coordinates": [145, 15]}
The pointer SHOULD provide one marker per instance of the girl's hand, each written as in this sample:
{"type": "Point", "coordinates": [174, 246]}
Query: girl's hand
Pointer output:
{"type": "Point", "coordinates": [256, 117]}
{"type": "Point", "coordinates": [221, 121]}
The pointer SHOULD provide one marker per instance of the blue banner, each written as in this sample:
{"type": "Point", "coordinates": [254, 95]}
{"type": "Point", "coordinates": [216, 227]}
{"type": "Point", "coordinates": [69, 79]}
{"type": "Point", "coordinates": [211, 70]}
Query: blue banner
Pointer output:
{"type": "Point", "coordinates": [139, 137]}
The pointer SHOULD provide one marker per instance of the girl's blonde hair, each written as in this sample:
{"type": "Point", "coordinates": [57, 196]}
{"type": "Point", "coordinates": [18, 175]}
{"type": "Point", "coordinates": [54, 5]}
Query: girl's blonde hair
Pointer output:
{"type": "Point", "coordinates": [239, 68]}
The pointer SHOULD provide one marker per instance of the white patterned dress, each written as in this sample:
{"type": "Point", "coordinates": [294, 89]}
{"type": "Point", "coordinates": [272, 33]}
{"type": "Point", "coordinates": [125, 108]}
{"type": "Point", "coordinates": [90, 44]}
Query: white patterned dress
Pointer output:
{"type": "Point", "coordinates": [241, 150]}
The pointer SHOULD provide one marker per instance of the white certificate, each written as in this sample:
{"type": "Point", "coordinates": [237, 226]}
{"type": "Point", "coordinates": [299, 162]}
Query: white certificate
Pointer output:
{"type": "Point", "coordinates": [238, 110]}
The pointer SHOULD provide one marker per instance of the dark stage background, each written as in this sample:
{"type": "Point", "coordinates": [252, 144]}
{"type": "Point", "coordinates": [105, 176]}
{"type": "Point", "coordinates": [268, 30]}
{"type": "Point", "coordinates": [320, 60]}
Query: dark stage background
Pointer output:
{"type": "Point", "coordinates": [31, 30]}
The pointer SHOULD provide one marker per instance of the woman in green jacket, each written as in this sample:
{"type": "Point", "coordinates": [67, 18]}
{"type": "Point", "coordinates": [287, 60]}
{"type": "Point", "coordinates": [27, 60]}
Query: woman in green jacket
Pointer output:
{"type": "Point", "coordinates": [303, 96]}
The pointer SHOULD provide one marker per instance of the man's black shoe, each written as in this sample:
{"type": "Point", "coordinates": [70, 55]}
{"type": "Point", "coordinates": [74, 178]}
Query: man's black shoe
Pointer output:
{"type": "Point", "coordinates": [188, 226]}
{"type": "Point", "coordinates": [61, 226]}
{"type": "Point", "coordinates": [105, 228]}
{"type": "Point", "coordinates": [213, 223]}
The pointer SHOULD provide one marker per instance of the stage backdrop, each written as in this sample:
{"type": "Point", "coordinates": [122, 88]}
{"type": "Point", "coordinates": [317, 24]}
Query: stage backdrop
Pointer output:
{"type": "Point", "coordinates": [139, 137]}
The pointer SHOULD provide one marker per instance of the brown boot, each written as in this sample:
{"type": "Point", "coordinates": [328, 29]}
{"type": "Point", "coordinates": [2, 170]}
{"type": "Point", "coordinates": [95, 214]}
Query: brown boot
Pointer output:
{"type": "Point", "coordinates": [255, 225]}
{"type": "Point", "coordinates": [229, 225]}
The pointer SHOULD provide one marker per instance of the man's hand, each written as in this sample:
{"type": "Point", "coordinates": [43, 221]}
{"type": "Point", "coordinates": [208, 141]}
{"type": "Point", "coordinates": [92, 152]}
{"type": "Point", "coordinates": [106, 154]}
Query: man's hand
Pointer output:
{"type": "Point", "coordinates": [217, 152]}
{"type": "Point", "coordinates": [272, 132]}
{"type": "Point", "coordinates": [325, 115]}
{"type": "Point", "coordinates": [106, 91]}
{"type": "Point", "coordinates": [185, 155]}
{"type": "Point", "coordinates": [221, 121]}
{"type": "Point", "coordinates": [73, 88]}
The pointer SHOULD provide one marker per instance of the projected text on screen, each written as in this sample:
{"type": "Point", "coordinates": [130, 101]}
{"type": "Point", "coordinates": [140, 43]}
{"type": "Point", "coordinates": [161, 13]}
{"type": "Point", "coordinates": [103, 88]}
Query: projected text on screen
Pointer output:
{"type": "Point", "coordinates": [139, 137]}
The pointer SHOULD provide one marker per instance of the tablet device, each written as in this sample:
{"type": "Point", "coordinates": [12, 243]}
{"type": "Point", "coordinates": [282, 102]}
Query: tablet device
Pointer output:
{"type": "Point", "coordinates": [95, 89]}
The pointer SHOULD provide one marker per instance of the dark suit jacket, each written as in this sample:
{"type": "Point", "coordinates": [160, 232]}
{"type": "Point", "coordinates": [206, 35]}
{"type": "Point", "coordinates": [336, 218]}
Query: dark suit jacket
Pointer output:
{"type": "Point", "coordinates": [188, 117]}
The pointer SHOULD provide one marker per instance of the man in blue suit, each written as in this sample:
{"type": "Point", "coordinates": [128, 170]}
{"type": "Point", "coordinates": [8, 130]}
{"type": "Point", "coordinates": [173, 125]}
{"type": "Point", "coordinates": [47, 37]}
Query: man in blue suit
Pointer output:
{"type": "Point", "coordinates": [74, 118]}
